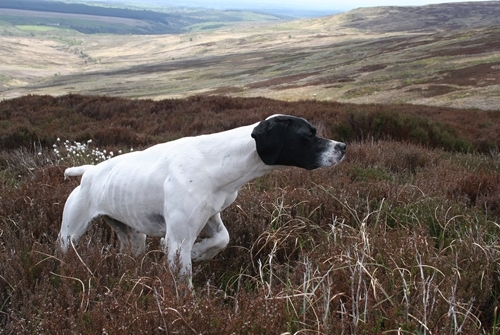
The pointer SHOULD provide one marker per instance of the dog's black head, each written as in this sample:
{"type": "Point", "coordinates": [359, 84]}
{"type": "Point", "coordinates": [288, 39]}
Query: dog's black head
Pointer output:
{"type": "Point", "coordinates": [292, 141]}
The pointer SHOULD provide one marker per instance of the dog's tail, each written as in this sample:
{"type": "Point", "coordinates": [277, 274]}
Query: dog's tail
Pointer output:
{"type": "Point", "coordinates": [77, 171]}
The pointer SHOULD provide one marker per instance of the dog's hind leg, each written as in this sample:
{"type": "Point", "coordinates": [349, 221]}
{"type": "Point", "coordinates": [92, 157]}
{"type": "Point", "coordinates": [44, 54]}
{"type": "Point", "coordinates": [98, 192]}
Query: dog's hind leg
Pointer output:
{"type": "Point", "coordinates": [217, 240]}
{"type": "Point", "coordinates": [130, 239]}
{"type": "Point", "coordinates": [77, 215]}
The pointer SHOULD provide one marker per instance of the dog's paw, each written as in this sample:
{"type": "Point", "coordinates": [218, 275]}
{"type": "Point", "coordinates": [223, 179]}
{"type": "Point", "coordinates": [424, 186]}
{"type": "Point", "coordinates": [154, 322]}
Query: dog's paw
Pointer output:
{"type": "Point", "coordinates": [196, 253]}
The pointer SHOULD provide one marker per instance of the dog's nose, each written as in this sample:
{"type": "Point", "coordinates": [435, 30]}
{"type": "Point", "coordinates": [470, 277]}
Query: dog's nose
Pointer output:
{"type": "Point", "coordinates": [341, 147]}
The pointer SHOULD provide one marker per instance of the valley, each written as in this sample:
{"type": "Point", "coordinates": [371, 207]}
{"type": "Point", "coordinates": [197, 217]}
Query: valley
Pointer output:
{"type": "Point", "coordinates": [433, 55]}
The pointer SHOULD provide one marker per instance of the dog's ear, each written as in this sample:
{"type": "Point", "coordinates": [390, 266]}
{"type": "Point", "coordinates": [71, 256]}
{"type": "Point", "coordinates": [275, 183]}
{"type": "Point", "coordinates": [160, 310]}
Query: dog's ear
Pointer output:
{"type": "Point", "coordinates": [270, 138]}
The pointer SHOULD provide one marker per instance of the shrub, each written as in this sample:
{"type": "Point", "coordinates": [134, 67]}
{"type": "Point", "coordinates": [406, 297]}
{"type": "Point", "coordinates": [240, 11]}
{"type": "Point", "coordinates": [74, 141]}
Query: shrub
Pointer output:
{"type": "Point", "coordinates": [377, 125]}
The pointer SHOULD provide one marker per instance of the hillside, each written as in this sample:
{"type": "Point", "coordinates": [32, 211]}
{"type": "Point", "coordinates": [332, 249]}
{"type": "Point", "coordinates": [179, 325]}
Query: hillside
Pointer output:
{"type": "Point", "coordinates": [442, 55]}
{"type": "Point", "coordinates": [430, 18]}
{"type": "Point", "coordinates": [103, 19]}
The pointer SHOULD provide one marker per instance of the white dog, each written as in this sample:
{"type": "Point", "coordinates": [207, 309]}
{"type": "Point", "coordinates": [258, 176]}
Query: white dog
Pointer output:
{"type": "Point", "coordinates": [177, 189]}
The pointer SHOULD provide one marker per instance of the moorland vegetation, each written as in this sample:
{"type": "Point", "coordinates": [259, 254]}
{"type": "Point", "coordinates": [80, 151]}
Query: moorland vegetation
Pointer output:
{"type": "Point", "coordinates": [442, 55]}
{"type": "Point", "coordinates": [402, 237]}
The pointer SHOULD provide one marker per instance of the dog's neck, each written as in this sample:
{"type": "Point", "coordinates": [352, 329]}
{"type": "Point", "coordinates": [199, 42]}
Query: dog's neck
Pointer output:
{"type": "Point", "coordinates": [237, 159]}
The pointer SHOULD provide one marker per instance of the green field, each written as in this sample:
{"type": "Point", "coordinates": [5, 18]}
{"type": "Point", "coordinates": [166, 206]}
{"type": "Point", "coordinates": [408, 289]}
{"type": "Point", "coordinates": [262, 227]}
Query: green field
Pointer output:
{"type": "Point", "coordinates": [114, 20]}
{"type": "Point", "coordinates": [39, 28]}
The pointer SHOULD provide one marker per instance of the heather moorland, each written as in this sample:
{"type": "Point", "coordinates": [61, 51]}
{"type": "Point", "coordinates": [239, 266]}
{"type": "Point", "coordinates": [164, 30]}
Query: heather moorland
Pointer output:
{"type": "Point", "coordinates": [401, 237]}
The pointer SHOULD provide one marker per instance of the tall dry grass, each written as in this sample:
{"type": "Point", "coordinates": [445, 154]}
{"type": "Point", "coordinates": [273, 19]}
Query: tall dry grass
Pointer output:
{"type": "Point", "coordinates": [402, 237]}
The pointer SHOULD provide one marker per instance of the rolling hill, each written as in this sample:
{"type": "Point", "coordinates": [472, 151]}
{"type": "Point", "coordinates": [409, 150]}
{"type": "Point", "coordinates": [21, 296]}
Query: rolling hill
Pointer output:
{"type": "Point", "coordinates": [106, 19]}
{"type": "Point", "coordinates": [445, 55]}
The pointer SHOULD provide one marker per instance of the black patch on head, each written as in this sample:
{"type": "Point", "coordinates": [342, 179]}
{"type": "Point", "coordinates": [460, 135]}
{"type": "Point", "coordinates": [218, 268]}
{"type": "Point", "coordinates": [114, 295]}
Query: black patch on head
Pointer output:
{"type": "Point", "coordinates": [289, 140]}
{"type": "Point", "coordinates": [270, 137]}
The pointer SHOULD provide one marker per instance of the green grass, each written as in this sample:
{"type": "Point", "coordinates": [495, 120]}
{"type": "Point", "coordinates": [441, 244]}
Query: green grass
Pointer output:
{"type": "Point", "coordinates": [38, 28]}
{"type": "Point", "coordinates": [206, 26]}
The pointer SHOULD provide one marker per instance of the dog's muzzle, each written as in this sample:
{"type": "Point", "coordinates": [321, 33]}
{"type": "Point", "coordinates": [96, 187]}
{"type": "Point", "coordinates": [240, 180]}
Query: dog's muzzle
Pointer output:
{"type": "Point", "coordinates": [334, 154]}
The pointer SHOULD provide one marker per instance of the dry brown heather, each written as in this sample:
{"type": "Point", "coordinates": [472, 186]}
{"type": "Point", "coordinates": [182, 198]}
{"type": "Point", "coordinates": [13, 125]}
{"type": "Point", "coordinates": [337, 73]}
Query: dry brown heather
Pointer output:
{"type": "Point", "coordinates": [402, 237]}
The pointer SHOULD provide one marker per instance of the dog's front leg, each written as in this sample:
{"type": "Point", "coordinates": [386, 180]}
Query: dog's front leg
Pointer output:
{"type": "Point", "coordinates": [217, 240]}
{"type": "Point", "coordinates": [182, 228]}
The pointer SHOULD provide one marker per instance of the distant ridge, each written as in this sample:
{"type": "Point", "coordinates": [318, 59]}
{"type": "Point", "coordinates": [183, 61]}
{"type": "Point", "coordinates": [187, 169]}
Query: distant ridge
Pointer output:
{"type": "Point", "coordinates": [449, 16]}
{"type": "Point", "coordinates": [75, 8]}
